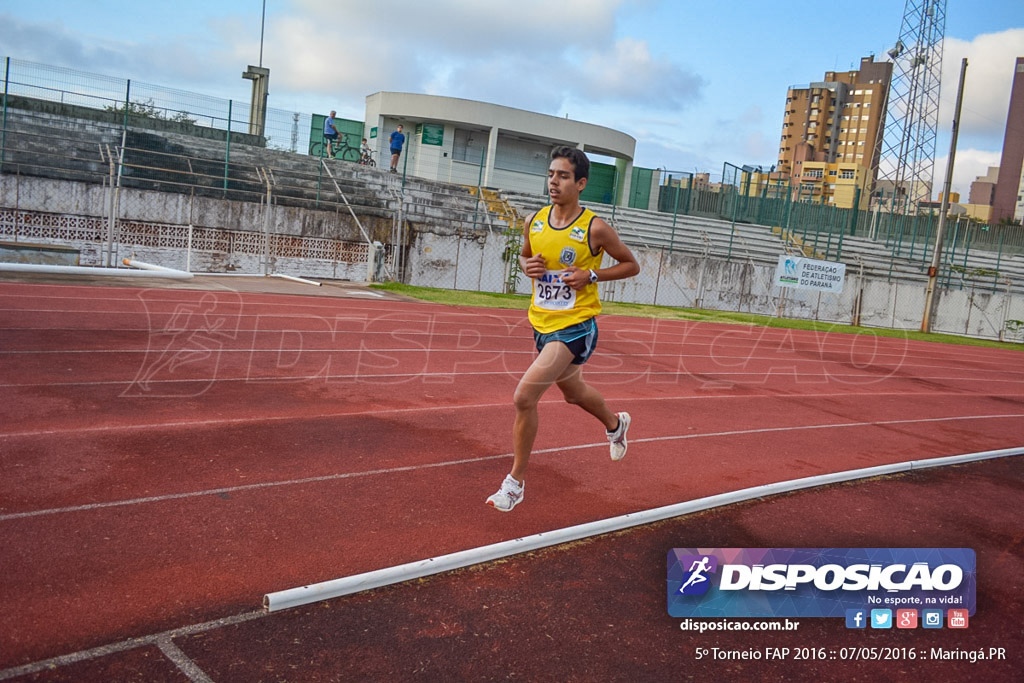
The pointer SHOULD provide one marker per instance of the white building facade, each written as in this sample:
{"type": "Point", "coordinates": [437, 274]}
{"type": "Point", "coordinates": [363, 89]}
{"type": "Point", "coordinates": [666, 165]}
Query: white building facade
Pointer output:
{"type": "Point", "coordinates": [469, 143]}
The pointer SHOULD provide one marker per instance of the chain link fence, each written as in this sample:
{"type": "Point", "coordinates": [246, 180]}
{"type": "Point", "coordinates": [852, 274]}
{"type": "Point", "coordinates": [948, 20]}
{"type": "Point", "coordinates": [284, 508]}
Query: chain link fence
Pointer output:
{"type": "Point", "coordinates": [111, 169]}
{"type": "Point", "coordinates": [58, 103]}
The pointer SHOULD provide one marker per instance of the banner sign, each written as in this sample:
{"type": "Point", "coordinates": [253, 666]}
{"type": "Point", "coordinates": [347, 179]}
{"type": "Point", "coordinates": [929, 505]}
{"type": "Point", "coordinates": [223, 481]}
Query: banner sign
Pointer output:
{"type": "Point", "coordinates": [818, 582]}
{"type": "Point", "coordinates": [806, 273]}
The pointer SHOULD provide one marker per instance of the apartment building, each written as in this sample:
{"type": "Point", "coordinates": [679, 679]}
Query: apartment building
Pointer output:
{"type": "Point", "coordinates": [1008, 198]}
{"type": "Point", "coordinates": [832, 126]}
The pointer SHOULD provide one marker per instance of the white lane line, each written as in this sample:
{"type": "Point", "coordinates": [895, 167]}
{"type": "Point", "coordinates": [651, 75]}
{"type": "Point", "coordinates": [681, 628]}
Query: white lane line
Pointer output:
{"type": "Point", "coordinates": [129, 644]}
{"type": "Point", "coordinates": [228, 421]}
{"type": "Point", "coordinates": [304, 595]}
{"type": "Point", "coordinates": [830, 344]}
{"type": "Point", "coordinates": [445, 316]}
{"type": "Point", "coordinates": [485, 458]}
{"type": "Point", "coordinates": [513, 373]}
{"type": "Point", "coordinates": [780, 361]}
{"type": "Point", "coordinates": [182, 661]}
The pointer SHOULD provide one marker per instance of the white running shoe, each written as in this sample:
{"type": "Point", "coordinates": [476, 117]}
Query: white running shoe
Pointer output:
{"type": "Point", "coordinates": [618, 437]}
{"type": "Point", "coordinates": [508, 496]}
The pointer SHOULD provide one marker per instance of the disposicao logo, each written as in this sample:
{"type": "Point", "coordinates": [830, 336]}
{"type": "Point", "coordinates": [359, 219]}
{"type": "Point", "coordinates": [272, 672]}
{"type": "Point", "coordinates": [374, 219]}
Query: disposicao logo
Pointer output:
{"type": "Point", "coordinates": [696, 580]}
{"type": "Point", "coordinates": [818, 582]}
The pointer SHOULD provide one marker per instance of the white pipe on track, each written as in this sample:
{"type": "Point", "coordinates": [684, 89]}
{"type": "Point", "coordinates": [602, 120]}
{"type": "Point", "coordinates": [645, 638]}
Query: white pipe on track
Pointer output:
{"type": "Point", "coordinates": [296, 279]}
{"type": "Point", "coordinates": [142, 265]}
{"type": "Point", "coordinates": [88, 270]}
{"type": "Point", "coordinates": [303, 595]}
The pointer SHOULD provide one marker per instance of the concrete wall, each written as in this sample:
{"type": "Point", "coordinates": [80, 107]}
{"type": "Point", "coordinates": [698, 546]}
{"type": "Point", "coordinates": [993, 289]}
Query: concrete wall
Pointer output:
{"type": "Point", "coordinates": [87, 199]}
{"type": "Point", "coordinates": [685, 280]}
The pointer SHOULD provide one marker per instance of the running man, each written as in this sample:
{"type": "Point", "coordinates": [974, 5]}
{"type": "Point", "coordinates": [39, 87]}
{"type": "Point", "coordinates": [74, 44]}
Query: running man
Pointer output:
{"type": "Point", "coordinates": [563, 245]}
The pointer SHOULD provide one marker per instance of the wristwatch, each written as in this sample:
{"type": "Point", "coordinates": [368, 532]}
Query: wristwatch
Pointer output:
{"type": "Point", "coordinates": [593, 277]}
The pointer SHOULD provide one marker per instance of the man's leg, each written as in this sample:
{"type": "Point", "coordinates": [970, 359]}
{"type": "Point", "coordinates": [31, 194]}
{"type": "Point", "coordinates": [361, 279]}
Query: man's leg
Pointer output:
{"type": "Point", "coordinates": [548, 368]}
{"type": "Point", "coordinates": [579, 393]}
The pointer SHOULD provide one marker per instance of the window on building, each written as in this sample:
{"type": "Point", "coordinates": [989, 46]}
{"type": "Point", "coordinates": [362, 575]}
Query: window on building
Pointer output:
{"type": "Point", "coordinates": [522, 155]}
{"type": "Point", "coordinates": [469, 145]}
{"type": "Point", "coordinates": [846, 174]}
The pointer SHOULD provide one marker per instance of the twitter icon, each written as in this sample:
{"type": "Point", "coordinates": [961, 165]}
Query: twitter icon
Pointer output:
{"type": "Point", "coordinates": [881, 618]}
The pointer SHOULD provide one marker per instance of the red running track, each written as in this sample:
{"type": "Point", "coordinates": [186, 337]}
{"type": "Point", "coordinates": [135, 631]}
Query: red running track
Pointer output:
{"type": "Point", "coordinates": [169, 456]}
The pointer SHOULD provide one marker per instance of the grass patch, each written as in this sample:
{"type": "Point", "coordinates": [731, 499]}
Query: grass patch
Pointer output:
{"type": "Point", "coordinates": [451, 297]}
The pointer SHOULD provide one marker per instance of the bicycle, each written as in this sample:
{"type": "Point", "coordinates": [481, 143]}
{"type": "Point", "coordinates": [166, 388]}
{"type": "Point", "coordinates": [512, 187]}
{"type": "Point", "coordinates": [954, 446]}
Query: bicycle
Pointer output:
{"type": "Point", "coordinates": [366, 159]}
{"type": "Point", "coordinates": [341, 149]}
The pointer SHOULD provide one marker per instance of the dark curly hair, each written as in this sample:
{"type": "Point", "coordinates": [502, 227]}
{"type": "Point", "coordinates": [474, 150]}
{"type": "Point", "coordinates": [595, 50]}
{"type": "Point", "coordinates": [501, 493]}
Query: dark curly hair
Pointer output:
{"type": "Point", "coordinates": [580, 162]}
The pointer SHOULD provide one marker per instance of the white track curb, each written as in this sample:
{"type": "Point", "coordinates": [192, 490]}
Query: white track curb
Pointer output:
{"type": "Point", "coordinates": [303, 595]}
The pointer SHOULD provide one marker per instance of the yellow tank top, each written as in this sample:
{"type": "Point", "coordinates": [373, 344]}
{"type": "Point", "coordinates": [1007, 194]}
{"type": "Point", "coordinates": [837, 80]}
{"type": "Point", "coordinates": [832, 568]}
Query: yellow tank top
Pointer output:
{"type": "Point", "coordinates": [556, 306]}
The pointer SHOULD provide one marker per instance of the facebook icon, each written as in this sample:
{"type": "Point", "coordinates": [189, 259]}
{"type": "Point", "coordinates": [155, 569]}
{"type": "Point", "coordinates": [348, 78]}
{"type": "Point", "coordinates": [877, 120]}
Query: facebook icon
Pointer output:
{"type": "Point", "coordinates": [856, 618]}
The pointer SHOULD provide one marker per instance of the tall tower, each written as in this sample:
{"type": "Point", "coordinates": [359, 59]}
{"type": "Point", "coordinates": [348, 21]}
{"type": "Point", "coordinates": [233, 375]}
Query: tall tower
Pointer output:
{"type": "Point", "coordinates": [906, 166]}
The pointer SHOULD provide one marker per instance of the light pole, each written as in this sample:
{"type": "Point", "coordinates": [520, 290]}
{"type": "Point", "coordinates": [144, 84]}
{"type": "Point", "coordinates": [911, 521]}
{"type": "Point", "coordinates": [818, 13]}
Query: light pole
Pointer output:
{"type": "Point", "coordinates": [260, 78]}
{"type": "Point", "coordinates": [933, 270]}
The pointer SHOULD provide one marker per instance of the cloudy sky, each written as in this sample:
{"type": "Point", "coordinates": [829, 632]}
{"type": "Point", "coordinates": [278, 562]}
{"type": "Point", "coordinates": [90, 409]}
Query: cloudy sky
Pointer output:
{"type": "Point", "coordinates": [696, 83]}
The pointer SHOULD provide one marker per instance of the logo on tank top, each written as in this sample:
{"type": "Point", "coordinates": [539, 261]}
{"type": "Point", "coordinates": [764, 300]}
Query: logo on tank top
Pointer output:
{"type": "Point", "coordinates": [568, 256]}
{"type": "Point", "coordinates": [578, 234]}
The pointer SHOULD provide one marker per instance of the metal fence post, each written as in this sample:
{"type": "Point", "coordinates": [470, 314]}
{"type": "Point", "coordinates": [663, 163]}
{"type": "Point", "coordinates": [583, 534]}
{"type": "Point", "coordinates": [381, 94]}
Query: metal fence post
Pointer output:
{"type": "Point", "coordinates": [111, 218]}
{"type": "Point", "coordinates": [227, 150]}
{"type": "Point", "coordinates": [689, 194]}
{"type": "Point", "coordinates": [913, 238]}
{"type": "Point", "coordinates": [479, 196]}
{"type": "Point", "coordinates": [3, 142]}
{"type": "Point", "coordinates": [721, 208]}
{"type": "Point", "coordinates": [675, 213]}
{"type": "Point", "coordinates": [732, 231]}
{"type": "Point", "coordinates": [999, 258]}
{"type": "Point", "coordinates": [854, 211]}
{"type": "Point", "coordinates": [319, 179]}
{"type": "Point", "coordinates": [615, 193]}
{"type": "Point", "coordinates": [127, 99]}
